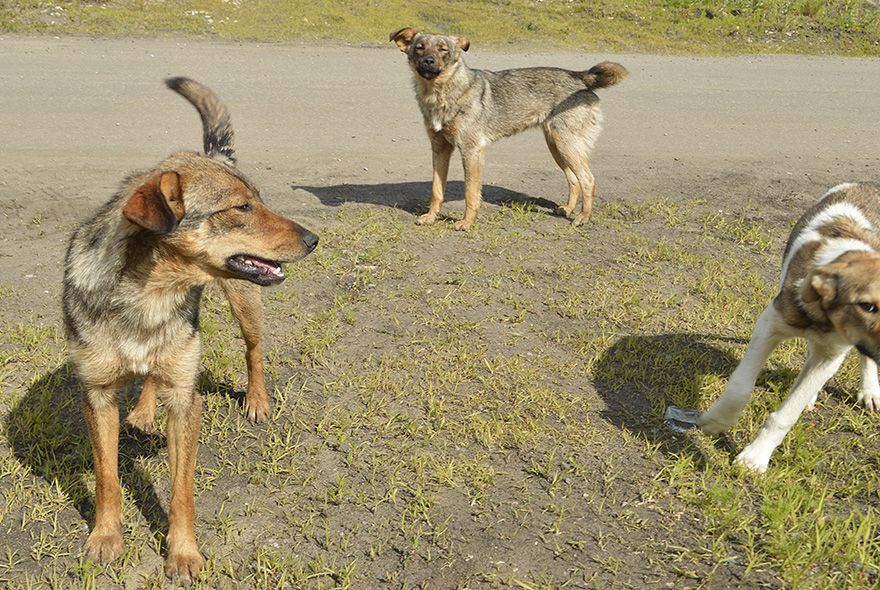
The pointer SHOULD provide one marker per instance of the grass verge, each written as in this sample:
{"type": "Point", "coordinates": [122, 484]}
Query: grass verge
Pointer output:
{"type": "Point", "coordinates": [850, 27]}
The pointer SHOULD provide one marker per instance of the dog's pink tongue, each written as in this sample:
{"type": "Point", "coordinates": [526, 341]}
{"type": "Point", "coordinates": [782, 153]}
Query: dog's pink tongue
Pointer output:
{"type": "Point", "coordinates": [265, 267]}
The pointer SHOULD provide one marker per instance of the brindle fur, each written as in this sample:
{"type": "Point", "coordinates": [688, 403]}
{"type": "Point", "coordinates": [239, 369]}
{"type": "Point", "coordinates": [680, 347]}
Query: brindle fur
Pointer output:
{"type": "Point", "coordinates": [469, 109]}
{"type": "Point", "coordinates": [133, 278]}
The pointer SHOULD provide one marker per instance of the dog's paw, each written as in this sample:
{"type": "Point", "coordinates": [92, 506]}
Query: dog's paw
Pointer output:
{"type": "Point", "coordinates": [462, 225]}
{"type": "Point", "coordinates": [257, 410]}
{"type": "Point", "coordinates": [104, 546]}
{"type": "Point", "coordinates": [711, 424]}
{"type": "Point", "coordinates": [561, 211]}
{"type": "Point", "coordinates": [142, 419]}
{"type": "Point", "coordinates": [812, 403]}
{"type": "Point", "coordinates": [870, 398]}
{"type": "Point", "coordinates": [581, 219]}
{"type": "Point", "coordinates": [426, 219]}
{"type": "Point", "coordinates": [754, 459]}
{"type": "Point", "coordinates": [184, 564]}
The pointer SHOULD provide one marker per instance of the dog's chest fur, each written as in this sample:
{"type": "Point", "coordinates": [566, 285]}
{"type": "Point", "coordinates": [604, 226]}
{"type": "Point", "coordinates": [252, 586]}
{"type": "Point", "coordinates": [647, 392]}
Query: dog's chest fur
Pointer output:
{"type": "Point", "coordinates": [115, 312]}
{"type": "Point", "coordinates": [846, 219]}
{"type": "Point", "coordinates": [442, 103]}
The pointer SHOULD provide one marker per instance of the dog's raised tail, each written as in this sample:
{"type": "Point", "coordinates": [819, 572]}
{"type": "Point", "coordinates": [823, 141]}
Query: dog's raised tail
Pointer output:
{"type": "Point", "coordinates": [603, 75]}
{"type": "Point", "coordinates": [218, 136]}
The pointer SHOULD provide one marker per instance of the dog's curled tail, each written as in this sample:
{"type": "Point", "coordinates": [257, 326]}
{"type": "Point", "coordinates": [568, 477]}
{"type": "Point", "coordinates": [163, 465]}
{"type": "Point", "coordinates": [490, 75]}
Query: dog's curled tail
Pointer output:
{"type": "Point", "coordinates": [216, 121]}
{"type": "Point", "coordinates": [603, 75]}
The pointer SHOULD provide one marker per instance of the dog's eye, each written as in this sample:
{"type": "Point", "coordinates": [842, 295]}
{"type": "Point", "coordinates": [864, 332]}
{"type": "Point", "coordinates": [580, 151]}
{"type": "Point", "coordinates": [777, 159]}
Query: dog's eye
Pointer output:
{"type": "Point", "coordinates": [444, 50]}
{"type": "Point", "coordinates": [419, 47]}
{"type": "Point", "coordinates": [246, 207]}
{"type": "Point", "coordinates": [868, 306]}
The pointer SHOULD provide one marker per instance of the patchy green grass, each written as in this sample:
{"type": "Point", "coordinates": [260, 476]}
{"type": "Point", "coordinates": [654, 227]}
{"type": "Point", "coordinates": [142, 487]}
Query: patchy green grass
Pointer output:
{"type": "Point", "coordinates": [679, 26]}
{"type": "Point", "coordinates": [479, 410]}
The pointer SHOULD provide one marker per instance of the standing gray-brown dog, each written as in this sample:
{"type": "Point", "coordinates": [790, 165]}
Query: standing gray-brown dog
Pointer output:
{"type": "Point", "coordinates": [470, 109]}
{"type": "Point", "coordinates": [133, 279]}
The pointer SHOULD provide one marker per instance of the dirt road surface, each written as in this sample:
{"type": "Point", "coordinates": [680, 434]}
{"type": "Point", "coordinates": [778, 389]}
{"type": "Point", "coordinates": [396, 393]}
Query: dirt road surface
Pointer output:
{"type": "Point", "coordinates": [333, 134]}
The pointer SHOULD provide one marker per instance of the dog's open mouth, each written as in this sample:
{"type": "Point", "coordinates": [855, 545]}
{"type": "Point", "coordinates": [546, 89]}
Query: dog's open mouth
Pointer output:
{"type": "Point", "coordinates": [257, 270]}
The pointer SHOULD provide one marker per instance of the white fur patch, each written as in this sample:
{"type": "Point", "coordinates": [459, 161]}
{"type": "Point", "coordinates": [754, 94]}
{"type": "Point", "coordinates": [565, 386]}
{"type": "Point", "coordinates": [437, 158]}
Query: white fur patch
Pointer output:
{"type": "Point", "coordinates": [829, 214]}
{"type": "Point", "coordinates": [840, 187]}
{"type": "Point", "coordinates": [834, 249]}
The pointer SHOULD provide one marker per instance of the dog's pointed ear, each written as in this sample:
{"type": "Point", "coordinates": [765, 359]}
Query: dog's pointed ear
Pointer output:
{"type": "Point", "coordinates": [462, 43]}
{"type": "Point", "coordinates": [403, 38]}
{"type": "Point", "coordinates": [820, 287]}
{"type": "Point", "coordinates": [157, 205]}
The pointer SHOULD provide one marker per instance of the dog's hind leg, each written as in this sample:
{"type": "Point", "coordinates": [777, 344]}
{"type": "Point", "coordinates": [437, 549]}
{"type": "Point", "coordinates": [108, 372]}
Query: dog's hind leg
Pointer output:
{"type": "Point", "coordinates": [819, 368]}
{"type": "Point", "coordinates": [869, 393]}
{"type": "Point", "coordinates": [472, 161]}
{"type": "Point", "coordinates": [588, 190]}
{"type": "Point", "coordinates": [574, 187]}
{"type": "Point", "coordinates": [247, 307]}
{"type": "Point", "coordinates": [572, 154]}
{"type": "Point", "coordinates": [102, 418]}
{"type": "Point", "coordinates": [144, 412]}
{"type": "Point", "coordinates": [441, 152]}
{"type": "Point", "coordinates": [723, 414]}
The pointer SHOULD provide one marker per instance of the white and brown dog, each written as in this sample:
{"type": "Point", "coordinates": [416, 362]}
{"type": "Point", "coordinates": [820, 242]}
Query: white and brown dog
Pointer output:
{"type": "Point", "coordinates": [830, 295]}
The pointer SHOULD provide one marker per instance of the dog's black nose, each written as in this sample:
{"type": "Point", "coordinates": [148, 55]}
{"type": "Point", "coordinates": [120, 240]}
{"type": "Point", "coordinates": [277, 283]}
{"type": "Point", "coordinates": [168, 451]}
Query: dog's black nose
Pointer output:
{"type": "Point", "coordinates": [428, 60]}
{"type": "Point", "coordinates": [310, 240]}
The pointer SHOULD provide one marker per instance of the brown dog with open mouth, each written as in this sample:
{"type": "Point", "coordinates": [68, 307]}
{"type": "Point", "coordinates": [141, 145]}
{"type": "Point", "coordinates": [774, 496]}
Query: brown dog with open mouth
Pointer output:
{"type": "Point", "coordinates": [469, 109]}
{"type": "Point", "coordinates": [133, 279]}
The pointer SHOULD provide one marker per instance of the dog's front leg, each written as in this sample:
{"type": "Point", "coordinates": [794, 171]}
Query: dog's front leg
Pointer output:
{"type": "Point", "coordinates": [869, 393]}
{"type": "Point", "coordinates": [102, 418]}
{"type": "Point", "coordinates": [441, 152]}
{"type": "Point", "coordinates": [184, 420]}
{"type": "Point", "coordinates": [472, 161]}
{"type": "Point", "coordinates": [247, 307]}
{"type": "Point", "coordinates": [819, 368]}
{"type": "Point", "coordinates": [726, 410]}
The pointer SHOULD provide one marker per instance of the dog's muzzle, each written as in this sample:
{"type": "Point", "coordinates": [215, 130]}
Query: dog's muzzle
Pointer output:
{"type": "Point", "coordinates": [427, 68]}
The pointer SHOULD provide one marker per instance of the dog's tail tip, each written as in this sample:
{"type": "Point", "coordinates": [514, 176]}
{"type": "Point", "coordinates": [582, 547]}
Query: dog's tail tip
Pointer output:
{"type": "Point", "coordinates": [604, 74]}
{"type": "Point", "coordinates": [177, 82]}
{"type": "Point", "coordinates": [217, 131]}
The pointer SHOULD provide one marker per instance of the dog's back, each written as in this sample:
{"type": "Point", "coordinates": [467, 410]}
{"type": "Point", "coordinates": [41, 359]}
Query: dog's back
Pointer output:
{"type": "Point", "coordinates": [510, 101]}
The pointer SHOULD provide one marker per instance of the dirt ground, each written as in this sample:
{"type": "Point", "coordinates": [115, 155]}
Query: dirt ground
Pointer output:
{"type": "Point", "coordinates": [451, 410]}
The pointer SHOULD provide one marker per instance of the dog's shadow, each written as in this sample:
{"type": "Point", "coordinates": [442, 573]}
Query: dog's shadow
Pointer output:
{"type": "Point", "coordinates": [413, 197]}
{"type": "Point", "coordinates": [639, 376]}
{"type": "Point", "coordinates": [47, 433]}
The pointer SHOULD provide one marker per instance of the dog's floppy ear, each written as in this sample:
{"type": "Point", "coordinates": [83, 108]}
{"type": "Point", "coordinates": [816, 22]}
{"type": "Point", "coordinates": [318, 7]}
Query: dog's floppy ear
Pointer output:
{"type": "Point", "coordinates": [462, 43]}
{"type": "Point", "coordinates": [403, 38]}
{"type": "Point", "coordinates": [157, 205]}
{"type": "Point", "coordinates": [820, 287]}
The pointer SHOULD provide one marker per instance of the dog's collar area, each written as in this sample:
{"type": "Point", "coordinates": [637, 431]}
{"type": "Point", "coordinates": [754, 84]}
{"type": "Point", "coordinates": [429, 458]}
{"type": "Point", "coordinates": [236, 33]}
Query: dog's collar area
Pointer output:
{"type": "Point", "coordinates": [255, 269]}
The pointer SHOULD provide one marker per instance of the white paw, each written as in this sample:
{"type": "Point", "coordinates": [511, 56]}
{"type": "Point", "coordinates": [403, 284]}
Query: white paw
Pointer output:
{"type": "Point", "coordinates": [870, 398]}
{"type": "Point", "coordinates": [710, 423]}
{"type": "Point", "coordinates": [754, 459]}
{"type": "Point", "coordinates": [812, 403]}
